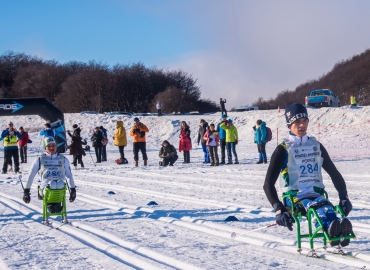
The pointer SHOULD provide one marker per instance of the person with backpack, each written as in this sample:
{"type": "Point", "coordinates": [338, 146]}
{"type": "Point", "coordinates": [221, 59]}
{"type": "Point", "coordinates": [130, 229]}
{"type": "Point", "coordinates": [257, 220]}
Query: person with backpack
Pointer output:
{"type": "Point", "coordinates": [299, 159]}
{"type": "Point", "coordinates": [222, 134]}
{"type": "Point", "coordinates": [260, 139]}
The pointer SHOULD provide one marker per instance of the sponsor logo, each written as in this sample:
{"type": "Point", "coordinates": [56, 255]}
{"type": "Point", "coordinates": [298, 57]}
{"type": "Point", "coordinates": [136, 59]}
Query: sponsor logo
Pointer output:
{"type": "Point", "coordinates": [307, 155]}
{"type": "Point", "coordinates": [297, 116]}
{"type": "Point", "coordinates": [308, 160]}
{"type": "Point", "coordinates": [308, 180]}
{"type": "Point", "coordinates": [296, 151]}
{"type": "Point", "coordinates": [7, 107]}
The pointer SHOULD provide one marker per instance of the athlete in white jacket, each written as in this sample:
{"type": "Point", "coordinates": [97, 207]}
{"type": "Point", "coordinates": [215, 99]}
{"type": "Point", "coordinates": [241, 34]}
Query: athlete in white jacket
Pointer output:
{"type": "Point", "coordinates": [53, 168]}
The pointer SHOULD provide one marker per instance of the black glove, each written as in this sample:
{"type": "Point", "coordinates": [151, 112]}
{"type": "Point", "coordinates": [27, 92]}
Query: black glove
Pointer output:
{"type": "Point", "coordinates": [344, 202]}
{"type": "Point", "coordinates": [72, 196]}
{"type": "Point", "coordinates": [283, 217]}
{"type": "Point", "coordinates": [27, 195]}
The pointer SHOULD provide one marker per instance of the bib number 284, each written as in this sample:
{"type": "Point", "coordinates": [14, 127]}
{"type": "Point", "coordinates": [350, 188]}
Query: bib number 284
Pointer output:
{"type": "Point", "coordinates": [309, 168]}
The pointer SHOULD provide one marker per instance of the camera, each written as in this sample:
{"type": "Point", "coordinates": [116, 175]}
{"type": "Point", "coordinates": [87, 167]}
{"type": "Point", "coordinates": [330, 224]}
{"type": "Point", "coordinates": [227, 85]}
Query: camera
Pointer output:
{"type": "Point", "coordinates": [137, 129]}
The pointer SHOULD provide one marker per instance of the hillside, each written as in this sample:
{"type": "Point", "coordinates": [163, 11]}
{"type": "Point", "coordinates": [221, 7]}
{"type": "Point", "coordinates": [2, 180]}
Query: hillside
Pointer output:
{"type": "Point", "coordinates": [351, 76]}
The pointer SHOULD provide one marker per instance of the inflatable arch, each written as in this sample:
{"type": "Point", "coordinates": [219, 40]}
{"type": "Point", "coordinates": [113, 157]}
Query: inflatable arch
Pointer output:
{"type": "Point", "coordinates": [37, 106]}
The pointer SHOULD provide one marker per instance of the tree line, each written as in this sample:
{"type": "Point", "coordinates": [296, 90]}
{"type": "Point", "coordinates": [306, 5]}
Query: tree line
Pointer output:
{"type": "Point", "coordinates": [94, 86]}
{"type": "Point", "coordinates": [351, 76]}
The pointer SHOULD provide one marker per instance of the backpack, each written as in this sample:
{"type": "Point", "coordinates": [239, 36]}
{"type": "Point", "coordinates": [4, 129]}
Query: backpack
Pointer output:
{"type": "Point", "coordinates": [268, 134]}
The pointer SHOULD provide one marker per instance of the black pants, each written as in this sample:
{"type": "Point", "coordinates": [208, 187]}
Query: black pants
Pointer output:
{"type": "Point", "coordinates": [170, 160]}
{"type": "Point", "coordinates": [8, 154]}
{"type": "Point", "coordinates": [261, 148]}
{"type": "Point", "coordinates": [223, 110]}
{"type": "Point", "coordinates": [213, 155]}
{"type": "Point", "coordinates": [159, 112]}
{"type": "Point", "coordinates": [98, 152]}
{"type": "Point", "coordinates": [140, 146]}
{"type": "Point", "coordinates": [121, 153]}
{"type": "Point", "coordinates": [186, 156]}
{"type": "Point", "coordinates": [104, 153]}
{"type": "Point", "coordinates": [23, 153]}
{"type": "Point", "coordinates": [223, 147]}
{"type": "Point", "coordinates": [77, 158]}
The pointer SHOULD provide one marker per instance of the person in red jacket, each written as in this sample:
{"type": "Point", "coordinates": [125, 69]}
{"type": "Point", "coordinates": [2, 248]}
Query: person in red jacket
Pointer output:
{"type": "Point", "coordinates": [22, 143]}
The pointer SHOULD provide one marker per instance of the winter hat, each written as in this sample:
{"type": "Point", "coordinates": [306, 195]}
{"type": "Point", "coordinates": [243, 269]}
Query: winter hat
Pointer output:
{"type": "Point", "coordinates": [48, 140]}
{"type": "Point", "coordinates": [223, 115]}
{"type": "Point", "coordinates": [165, 141]}
{"type": "Point", "coordinates": [229, 120]}
{"type": "Point", "coordinates": [10, 123]}
{"type": "Point", "coordinates": [101, 127]}
{"type": "Point", "coordinates": [294, 112]}
{"type": "Point", "coordinates": [20, 127]}
{"type": "Point", "coordinates": [136, 119]}
{"type": "Point", "coordinates": [75, 126]}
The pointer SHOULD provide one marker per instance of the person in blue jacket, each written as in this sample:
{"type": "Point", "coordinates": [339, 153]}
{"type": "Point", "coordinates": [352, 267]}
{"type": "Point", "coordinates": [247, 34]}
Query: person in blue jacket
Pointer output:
{"type": "Point", "coordinates": [47, 131]}
{"type": "Point", "coordinates": [222, 134]}
{"type": "Point", "coordinates": [104, 142]}
{"type": "Point", "coordinates": [10, 137]}
{"type": "Point", "coordinates": [260, 140]}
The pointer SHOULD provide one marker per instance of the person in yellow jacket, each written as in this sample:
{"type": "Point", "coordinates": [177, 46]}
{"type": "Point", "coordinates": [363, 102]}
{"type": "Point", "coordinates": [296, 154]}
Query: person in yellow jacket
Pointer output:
{"type": "Point", "coordinates": [138, 132]}
{"type": "Point", "coordinates": [352, 100]}
{"type": "Point", "coordinates": [231, 140]}
{"type": "Point", "coordinates": [120, 140]}
{"type": "Point", "coordinates": [10, 137]}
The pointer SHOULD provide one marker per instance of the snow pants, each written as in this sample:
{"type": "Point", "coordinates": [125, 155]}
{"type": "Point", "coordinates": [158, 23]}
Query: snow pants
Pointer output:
{"type": "Point", "coordinates": [231, 147]}
{"type": "Point", "coordinates": [8, 154]}
{"type": "Point", "coordinates": [223, 148]}
{"type": "Point", "coordinates": [206, 153]}
{"type": "Point", "coordinates": [140, 146]}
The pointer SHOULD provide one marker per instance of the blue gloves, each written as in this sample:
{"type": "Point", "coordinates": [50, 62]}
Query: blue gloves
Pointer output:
{"type": "Point", "coordinates": [283, 217]}
{"type": "Point", "coordinates": [344, 202]}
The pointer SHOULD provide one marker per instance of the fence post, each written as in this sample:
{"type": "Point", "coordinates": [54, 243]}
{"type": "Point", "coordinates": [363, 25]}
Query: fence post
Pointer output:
{"type": "Point", "coordinates": [318, 127]}
{"type": "Point", "coordinates": [277, 136]}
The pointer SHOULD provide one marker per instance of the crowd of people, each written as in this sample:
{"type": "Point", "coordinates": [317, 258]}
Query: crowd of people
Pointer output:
{"type": "Point", "coordinates": [297, 173]}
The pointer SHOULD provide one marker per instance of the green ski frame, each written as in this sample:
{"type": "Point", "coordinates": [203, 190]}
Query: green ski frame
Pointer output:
{"type": "Point", "coordinates": [53, 196]}
{"type": "Point", "coordinates": [312, 234]}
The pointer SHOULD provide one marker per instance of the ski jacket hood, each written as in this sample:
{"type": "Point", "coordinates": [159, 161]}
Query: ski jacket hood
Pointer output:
{"type": "Point", "coordinates": [119, 137]}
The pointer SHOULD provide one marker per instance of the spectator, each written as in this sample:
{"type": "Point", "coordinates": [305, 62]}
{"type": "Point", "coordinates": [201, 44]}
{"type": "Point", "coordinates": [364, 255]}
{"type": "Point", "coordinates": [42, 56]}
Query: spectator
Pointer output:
{"type": "Point", "coordinates": [76, 129]}
{"type": "Point", "coordinates": [352, 100]}
{"type": "Point", "coordinates": [168, 153]}
{"type": "Point", "coordinates": [222, 105]}
{"type": "Point", "coordinates": [203, 126]}
{"type": "Point", "coordinates": [185, 141]}
{"type": "Point", "coordinates": [96, 138]}
{"type": "Point", "coordinates": [138, 132]}
{"type": "Point", "coordinates": [22, 143]}
{"type": "Point", "coordinates": [231, 140]}
{"type": "Point", "coordinates": [76, 149]}
{"type": "Point", "coordinates": [260, 140]}
{"type": "Point", "coordinates": [104, 142]}
{"type": "Point", "coordinates": [212, 138]}
{"type": "Point", "coordinates": [159, 108]}
{"type": "Point", "coordinates": [10, 138]}
{"type": "Point", "coordinates": [120, 140]}
{"type": "Point", "coordinates": [47, 131]}
{"type": "Point", "coordinates": [222, 134]}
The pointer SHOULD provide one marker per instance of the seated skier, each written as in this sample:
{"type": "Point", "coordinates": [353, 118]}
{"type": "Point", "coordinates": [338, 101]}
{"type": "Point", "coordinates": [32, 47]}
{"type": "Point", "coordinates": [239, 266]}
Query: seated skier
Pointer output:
{"type": "Point", "coordinates": [53, 168]}
{"type": "Point", "coordinates": [298, 160]}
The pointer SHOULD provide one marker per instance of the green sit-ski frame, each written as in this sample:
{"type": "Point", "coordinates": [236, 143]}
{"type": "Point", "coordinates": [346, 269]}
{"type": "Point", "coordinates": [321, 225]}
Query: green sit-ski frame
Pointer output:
{"type": "Point", "coordinates": [311, 213]}
{"type": "Point", "coordinates": [53, 196]}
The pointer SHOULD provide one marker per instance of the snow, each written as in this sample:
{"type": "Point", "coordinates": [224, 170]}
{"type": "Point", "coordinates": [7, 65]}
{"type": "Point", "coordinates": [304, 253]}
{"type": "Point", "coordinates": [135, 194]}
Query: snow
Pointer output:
{"type": "Point", "coordinates": [186, 230]}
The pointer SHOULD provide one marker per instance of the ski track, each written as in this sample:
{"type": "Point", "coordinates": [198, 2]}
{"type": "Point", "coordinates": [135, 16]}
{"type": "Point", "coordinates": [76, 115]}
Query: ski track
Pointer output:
{"type": "Point", "coordinates": [281, 244]}
{"type": "Point", "coordinates": [194, 199]}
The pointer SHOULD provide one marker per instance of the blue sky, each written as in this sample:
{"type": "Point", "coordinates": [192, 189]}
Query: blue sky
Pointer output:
{"type": "Point", "coordinates": [239, 50]}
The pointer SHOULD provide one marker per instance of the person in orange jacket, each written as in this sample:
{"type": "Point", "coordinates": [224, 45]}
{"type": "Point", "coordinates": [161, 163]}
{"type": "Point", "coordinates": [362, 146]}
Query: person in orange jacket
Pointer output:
{"type": "Point", "coordinates": [138, 132]}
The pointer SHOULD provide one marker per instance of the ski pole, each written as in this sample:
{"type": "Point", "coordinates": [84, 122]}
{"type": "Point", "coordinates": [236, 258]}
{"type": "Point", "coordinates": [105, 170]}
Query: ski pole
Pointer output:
{"type": "Point", "coordinates": [92, 158]}
{"type": "Point", "coordinates": [20, 179]}
{"type": "Point", "coordinates": [233, 235]}
{"type": "Point", "coordinates": [68, 187]}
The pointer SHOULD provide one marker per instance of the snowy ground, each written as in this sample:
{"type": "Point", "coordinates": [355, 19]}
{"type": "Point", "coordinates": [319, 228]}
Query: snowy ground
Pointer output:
{"type": "Point", "coordinates": [187, 229]}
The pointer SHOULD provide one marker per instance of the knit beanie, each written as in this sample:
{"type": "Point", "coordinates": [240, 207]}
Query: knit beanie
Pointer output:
{"type": "Point", "coordinates": [294, 112]}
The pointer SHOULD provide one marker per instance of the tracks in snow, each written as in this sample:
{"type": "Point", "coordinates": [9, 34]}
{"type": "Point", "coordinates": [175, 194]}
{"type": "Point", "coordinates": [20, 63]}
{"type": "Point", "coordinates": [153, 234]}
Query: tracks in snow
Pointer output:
{"type": "Point", "coordinates": [126, 252]}
{"type": "Point", "coordinates": [220, 230]}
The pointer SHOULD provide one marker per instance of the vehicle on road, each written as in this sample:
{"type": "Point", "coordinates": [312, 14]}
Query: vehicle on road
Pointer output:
{"type": "Point", "coordinates": [246, 108]}
{"type": "Point", "coordinates": [322, 98]}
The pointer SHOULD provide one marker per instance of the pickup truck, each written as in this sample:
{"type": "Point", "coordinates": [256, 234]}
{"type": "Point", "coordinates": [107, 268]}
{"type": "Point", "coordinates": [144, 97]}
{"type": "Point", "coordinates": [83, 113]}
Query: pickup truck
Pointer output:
{"type": "Point", "coordinates": [322, 98]}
